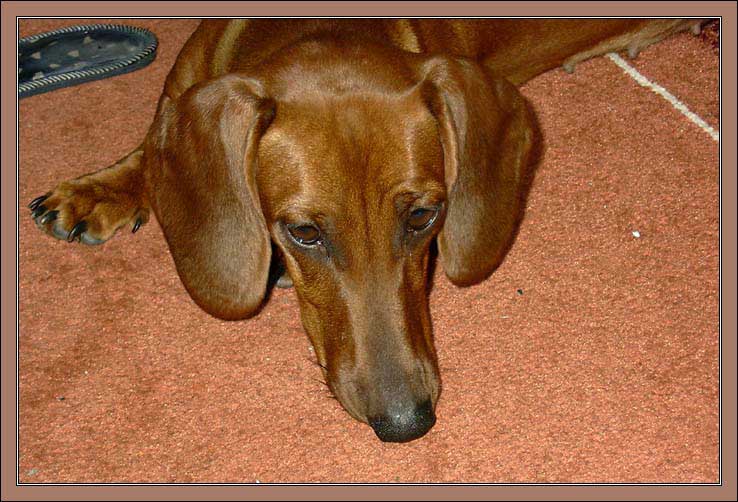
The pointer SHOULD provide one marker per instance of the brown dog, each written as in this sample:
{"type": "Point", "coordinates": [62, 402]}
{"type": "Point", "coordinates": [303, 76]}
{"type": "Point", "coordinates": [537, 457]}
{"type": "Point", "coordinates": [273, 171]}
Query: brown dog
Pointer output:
{"type": "Point", "coordinates": [342, 149]}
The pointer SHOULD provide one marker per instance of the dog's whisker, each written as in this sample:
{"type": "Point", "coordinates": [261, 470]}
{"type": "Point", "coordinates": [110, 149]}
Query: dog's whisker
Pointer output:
{"type": "Point", "coordinates": [322, 382]}
{"type": "Point", "coordinates": [325, 390]}
{"type": "Point", "coordinates": [317, 363]}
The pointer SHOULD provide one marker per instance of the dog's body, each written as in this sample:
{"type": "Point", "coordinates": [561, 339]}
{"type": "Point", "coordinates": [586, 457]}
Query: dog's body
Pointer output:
{"type": "Point", "coordinates": [347, 147]}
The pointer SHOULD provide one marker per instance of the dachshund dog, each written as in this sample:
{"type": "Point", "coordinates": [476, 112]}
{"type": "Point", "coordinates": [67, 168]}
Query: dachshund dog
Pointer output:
{"type": "Point", "coordinates": [337, 152]}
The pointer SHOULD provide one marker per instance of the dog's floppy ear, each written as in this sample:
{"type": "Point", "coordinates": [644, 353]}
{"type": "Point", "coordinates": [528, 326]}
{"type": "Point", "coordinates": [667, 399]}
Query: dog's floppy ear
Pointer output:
{"type": "Point", "coordinates": [487, 133]}
{"type": "Point", "coordinates": [201, 154]}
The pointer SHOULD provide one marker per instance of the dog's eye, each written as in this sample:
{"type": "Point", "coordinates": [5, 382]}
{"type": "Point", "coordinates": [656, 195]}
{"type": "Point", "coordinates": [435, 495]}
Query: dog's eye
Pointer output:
{"type": "Point", "coordinates": [307, 235]}
{"type": "Point", "coordinates": [421, 218]}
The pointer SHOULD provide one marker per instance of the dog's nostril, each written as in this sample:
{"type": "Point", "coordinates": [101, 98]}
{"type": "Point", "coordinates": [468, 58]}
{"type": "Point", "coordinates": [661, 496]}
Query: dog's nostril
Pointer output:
{"type": "Point", "coordinates": [404, 424]}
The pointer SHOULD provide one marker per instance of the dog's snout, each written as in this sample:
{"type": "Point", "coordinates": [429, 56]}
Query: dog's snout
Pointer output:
{"type": "Point", "coordinates": [404, 423]}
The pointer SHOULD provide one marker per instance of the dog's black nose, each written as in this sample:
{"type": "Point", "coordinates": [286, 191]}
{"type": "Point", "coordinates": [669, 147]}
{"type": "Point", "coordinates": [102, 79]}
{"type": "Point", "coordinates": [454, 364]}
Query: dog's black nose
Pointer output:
{"type": "Point", "coordinates": [404, 423]}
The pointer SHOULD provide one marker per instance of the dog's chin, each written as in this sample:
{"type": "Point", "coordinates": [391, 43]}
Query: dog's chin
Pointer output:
{"type": "Point", "coordinates": [348, 403]}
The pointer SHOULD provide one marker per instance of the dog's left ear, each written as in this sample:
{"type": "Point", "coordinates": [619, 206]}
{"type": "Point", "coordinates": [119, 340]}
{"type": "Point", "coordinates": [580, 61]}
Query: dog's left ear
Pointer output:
{"type": "Point", "coordinates": [487, 133]}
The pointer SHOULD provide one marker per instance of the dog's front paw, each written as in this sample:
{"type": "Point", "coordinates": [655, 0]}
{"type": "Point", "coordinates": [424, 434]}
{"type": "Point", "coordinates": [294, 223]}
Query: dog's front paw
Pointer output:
{"type": "Point", "coordinates": [87, 211]}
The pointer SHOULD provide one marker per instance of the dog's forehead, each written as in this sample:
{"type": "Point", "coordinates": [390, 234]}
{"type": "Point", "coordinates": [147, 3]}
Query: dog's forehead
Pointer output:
{"type": "Point", "coordinates": [332, 148]}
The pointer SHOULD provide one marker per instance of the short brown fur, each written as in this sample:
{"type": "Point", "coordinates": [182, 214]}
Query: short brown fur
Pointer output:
{"type": "Point", "coordinates": [354, 129]}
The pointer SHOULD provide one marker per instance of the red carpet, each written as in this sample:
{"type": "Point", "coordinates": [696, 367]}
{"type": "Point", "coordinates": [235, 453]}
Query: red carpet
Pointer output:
{"type": "Point", "coordinates": [604, 369]}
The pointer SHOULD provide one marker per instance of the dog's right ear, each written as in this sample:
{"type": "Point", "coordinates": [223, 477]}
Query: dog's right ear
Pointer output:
{"type": "Point", "coordinates": [200, 154]}
{"type": "Point", "coordinates": [487, 134]}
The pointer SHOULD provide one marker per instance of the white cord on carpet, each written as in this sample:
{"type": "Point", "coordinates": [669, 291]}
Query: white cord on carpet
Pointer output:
{"type": "Point", "coordinates": [644, 82]}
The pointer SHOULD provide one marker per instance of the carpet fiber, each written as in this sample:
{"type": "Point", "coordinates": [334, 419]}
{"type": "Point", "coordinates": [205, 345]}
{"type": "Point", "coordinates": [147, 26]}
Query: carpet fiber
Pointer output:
{"type": "Point", "coordinates": [591, 355]}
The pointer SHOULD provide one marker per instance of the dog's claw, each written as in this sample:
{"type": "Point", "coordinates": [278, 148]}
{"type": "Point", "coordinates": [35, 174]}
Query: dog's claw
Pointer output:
{"type": "Point", "coordinates": [48, 217]}
{"type": "Point", "coordinates": [37, 201]}
{"type": "Point", "coordinates": [38, 211]}
{"type": "Point", "coordinates": [77, 230]}
{"type": "Point", "coordinates": [137, 225]}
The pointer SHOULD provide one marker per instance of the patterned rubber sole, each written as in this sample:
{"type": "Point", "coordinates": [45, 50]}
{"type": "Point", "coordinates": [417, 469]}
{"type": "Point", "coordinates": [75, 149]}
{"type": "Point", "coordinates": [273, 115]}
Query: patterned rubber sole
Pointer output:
{"type": "Point", "coordinates": [78, 54]}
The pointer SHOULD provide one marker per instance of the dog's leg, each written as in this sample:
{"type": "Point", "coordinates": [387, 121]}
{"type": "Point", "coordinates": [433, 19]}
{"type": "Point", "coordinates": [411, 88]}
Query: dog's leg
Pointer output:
{"type": "Point", "coordinates": [635, 41]}
{"type": "Point", "coordinates": [92, 207]}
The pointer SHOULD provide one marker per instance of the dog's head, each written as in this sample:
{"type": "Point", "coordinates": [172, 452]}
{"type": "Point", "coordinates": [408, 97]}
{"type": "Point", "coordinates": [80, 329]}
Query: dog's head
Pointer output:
{"type": "Point", "coordinates": [351, 161]}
